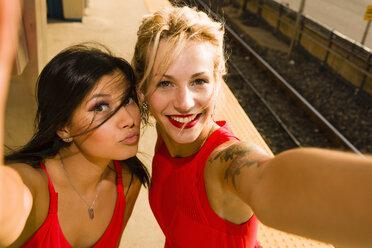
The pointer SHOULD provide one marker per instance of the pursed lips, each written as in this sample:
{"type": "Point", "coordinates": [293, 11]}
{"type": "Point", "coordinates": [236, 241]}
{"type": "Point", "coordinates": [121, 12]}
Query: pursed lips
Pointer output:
{"type": "Point", "coordinates": [130, 138]}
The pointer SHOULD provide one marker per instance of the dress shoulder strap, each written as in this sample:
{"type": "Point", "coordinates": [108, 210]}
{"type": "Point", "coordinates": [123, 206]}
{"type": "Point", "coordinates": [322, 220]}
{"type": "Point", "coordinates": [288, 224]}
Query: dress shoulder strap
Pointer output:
{"type": "Point", "coordinates": [53, 196]}
{"type": "Point", "coordinates": [119, 177]}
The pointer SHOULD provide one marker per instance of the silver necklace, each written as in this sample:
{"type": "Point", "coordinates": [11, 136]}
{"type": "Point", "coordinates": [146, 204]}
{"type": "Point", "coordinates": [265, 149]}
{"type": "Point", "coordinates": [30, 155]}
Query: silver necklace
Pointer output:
{"type": "Point", "coordinates": [90, 206]}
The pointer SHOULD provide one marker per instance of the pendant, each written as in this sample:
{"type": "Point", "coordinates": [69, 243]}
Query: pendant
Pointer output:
{"type": "Point", "coordinates": [91, 212]}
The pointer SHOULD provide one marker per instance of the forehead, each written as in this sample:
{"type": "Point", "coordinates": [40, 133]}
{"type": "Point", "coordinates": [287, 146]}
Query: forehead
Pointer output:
{"type": "Point", "coordinates": [111, 84]}
{"type": "Point", "coordinates": [192, 56]}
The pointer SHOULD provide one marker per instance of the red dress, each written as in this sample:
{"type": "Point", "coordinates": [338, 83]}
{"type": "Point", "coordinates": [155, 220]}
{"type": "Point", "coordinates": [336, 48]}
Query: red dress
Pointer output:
{"type": "Point", "coordinates": [50, 233]}
{"type": "Point", "coordinates": [179, 201]}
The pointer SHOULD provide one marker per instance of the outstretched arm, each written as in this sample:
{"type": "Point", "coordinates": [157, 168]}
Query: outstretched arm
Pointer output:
{"type": "Point", "coordinates": [316, 193]}
{"type": "Point", "coordinates": [15, 198]}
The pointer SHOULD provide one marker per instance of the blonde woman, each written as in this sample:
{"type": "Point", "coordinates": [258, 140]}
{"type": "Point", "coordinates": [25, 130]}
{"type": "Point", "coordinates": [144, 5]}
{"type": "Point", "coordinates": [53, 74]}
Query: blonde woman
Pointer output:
{"type": "Point", "coordinates": [207, 185]}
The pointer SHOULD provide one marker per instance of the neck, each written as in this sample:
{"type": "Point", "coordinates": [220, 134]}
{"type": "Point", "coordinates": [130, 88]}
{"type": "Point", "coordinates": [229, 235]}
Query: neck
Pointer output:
{"type": "Point", "coordinates": [82, 171]}
{"type": "Point", "coordinates": [177, 150]}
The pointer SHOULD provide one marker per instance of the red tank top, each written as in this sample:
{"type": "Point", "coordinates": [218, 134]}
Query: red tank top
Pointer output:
{"type": "Point", "coordinates": [50, 233]}
{"type": "Point", "coordinates": [179, 201]}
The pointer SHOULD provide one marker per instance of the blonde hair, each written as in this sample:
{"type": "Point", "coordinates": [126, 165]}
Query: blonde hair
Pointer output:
{"type": "Point", "coordinates": [176, 26]}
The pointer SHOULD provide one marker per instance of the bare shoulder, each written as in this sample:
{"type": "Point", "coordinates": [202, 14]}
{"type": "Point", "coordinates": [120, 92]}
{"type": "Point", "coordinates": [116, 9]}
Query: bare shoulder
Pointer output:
{"type": "Point", "coordinates": [32, 177]}
{"type": "Point", "coordinates": [238, 151]}
{"type": "Point", "coordinates": [231, 157]}
{"type": "Point", "coordinates": [224, 170]}
{"type": "Point", "coordinates": [26, 193]}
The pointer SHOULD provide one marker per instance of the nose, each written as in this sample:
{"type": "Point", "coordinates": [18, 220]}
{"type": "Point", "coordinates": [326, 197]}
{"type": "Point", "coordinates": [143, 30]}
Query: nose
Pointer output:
{"type": "Point", "coordinates": [184, 99]}
{"type": "Point", "coordinates": [125, 117]}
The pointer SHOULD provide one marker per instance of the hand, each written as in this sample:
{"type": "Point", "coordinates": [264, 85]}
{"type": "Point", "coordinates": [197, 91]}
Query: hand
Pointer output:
{"type": "Point", "coordinates": [10, 16]}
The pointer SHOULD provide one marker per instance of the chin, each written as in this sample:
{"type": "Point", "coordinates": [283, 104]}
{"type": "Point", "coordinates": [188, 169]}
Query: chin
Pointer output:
{"type": "Point", "coordinates": [128, 153]}
{"type": "Point", "coordinates": [185, 138]}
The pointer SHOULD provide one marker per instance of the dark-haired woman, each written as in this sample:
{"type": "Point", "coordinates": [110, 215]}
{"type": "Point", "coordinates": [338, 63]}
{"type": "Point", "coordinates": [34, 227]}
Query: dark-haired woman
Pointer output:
{"type": "Point", "coordinates": [75, 183]}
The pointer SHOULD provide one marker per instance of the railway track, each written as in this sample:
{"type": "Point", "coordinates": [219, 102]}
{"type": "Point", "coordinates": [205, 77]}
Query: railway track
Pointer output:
{"type": "Point", "coordinates": [281, 114]}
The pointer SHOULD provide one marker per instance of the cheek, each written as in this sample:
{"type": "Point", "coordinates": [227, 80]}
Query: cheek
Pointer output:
{"type": "Point", "coordinates": [84, 121]}
{"type": "Point", "coordinates": [135, 113]}
{"type": "Point", "coordinates": [157, 102]}
{"type": "Point", "coordinates": [88, 143]}
{"type": "Point", "coordinates": [78, 127]}
{"type": "Point", "coordinates": [206, 98]}
{"type": "Point", "coordinates": [98, 141]}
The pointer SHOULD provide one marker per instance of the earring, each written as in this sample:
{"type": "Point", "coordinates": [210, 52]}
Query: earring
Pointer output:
{"type": "Point", "coordinates": [144, 107]}
{"type": "Point", "coordinates": [144, 112]}
{"type": "Point", "coordinates": [68, 139]}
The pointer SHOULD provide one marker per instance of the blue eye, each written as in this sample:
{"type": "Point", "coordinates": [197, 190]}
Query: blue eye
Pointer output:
{"type": "Point", "coordinates": [100, 107]}
{"type": "Point", "coordinates": [200, 81]}
{"type": "Point", "coordinates": [164, 84]}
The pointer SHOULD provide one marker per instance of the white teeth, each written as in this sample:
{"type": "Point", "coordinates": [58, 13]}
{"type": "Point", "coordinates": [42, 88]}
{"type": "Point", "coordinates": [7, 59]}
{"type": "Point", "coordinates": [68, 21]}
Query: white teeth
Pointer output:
{"type": "Point", "coordinates": [183, 120]}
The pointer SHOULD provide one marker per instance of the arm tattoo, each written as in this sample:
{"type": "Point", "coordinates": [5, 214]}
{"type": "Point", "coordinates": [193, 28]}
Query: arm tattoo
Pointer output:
{"type": "Point", "coordinates": [240, 157]}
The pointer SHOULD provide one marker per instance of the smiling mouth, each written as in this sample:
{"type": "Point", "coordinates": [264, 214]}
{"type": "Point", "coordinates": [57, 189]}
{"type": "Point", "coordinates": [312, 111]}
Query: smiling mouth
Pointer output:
{"type": "Point", "coordinates": [184, 121]}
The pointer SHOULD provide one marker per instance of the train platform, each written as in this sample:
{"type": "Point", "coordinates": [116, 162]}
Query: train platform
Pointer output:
{"type": "Point", "coordinates": [114, 23]}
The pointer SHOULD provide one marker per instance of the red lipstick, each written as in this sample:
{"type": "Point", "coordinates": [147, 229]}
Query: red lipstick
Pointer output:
{"type": "Point", "coordinates": [184, 125]}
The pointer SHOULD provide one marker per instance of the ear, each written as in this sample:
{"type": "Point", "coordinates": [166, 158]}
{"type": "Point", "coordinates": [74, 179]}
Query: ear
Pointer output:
{"type": "Point", "coordinates": [218, 76]}
{"type": "Point", "coordinates": [141, 95]}
{"type": "Point", "coordinates": [63, 133]}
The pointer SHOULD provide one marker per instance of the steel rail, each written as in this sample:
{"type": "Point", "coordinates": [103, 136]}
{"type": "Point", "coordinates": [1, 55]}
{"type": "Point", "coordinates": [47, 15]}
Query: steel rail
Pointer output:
{"type": "Point", "coordinates": [267, 105]}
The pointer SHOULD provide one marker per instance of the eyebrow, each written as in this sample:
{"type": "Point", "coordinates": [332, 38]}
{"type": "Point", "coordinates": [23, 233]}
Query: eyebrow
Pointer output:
{"type": "Point", "coordinates": [98, 96]}
{"type": "Point", "coordinates": [192, 76]}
